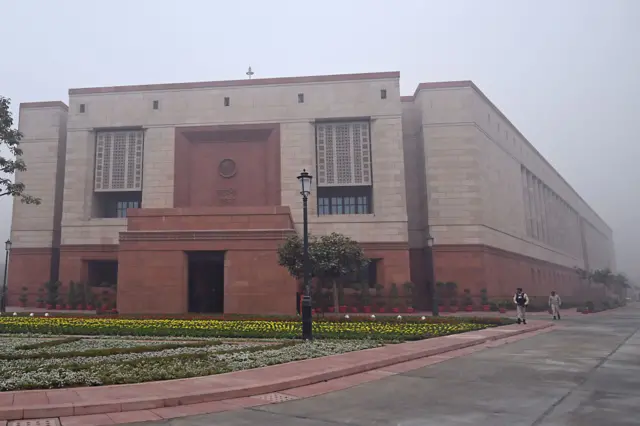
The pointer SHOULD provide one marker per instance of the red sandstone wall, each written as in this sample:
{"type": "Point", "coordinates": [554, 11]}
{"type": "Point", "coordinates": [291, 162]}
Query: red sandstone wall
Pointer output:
{"type": "Point", "coordinates": [29, 268]}
{"type": "Point", "coordinates": [501, 272]}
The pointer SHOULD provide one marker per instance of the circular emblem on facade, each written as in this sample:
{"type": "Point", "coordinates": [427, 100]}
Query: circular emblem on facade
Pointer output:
{"type": "Point", "coordinates": [227, 168]}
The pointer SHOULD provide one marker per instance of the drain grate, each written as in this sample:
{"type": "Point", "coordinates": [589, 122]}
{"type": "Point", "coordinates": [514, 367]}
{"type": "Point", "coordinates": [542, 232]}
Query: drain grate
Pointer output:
{"type": "Point", "coordinates": [276, 397]}
{"type": "Point", "coordinates": [35, 422]}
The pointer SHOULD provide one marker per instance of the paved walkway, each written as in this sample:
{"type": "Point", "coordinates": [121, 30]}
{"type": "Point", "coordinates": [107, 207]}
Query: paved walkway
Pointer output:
{"type": "Point", "coordinates": [584, 373]}
{"type": "Point", "coordinates": [155, 400]}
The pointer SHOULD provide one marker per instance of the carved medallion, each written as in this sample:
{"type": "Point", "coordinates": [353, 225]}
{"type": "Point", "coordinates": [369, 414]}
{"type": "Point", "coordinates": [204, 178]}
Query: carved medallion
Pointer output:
{"type": "Point", "coordinates": [226, 196]}
{"type": "Point", "coordinates": [227, 168]}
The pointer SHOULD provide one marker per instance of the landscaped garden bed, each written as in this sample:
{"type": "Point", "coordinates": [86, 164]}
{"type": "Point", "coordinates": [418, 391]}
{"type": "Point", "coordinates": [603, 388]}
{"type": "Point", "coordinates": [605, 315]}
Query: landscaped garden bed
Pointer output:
{"type": "Point", "coordinates": [390, 328]}
{"type": "Point", "coordinates": [38, 352]}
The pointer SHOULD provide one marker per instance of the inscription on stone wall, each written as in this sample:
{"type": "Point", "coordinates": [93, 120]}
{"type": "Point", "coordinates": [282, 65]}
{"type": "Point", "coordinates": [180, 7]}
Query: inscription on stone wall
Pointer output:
{"type": "Point", "coordinates": [226, 196]}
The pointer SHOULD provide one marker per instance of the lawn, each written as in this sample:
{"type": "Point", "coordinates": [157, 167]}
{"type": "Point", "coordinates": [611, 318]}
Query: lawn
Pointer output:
{"type": "Point", "coordinates": [52, 352]}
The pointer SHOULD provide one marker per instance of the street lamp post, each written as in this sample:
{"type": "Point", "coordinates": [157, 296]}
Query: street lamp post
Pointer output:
{"type": "Point", "coordinates": [307, 326]}
{"type": "Point", "coordinates": [3, 302]}
{"type": "Point", "coordinates": [432, 281]}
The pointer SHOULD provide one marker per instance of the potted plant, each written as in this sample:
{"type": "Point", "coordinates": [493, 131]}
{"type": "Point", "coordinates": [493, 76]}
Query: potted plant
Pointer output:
{"type": "Point", "coordinates": [52, 289]}
{"type": "Point", "coordinates": [588, 308]}
{"type": "Point", "coordinates": [81, 297]}
{"type": "Point", "coordinates": [380, 305]}
{"type": "Point", "coordinates": [393, 297]}
{"type": "Point", "coordinates": [468, 304]}
{"type": "Point", "coordinates": [408, 292]}
{"type": "Point", "coordinates": [24, 297]}
{"type": "Point", "coordinates": [71, 296]}
{"type": "Point", "coordinates": [40, 300]}
{"type": "Point", "coordinates": [105, 300]}
{"type": "Point", "coordinates": [439, 291]}
{"type": "Point", "coordinates": [342, 308]}
{"type": "Point", "coordinates": [453, 305]}
{"type": "Point", "coordinates": [502, 307]}
{"type": "Point", "coordinates": [365, 297]}
{"type": "Point", "coordinates": [91, 299]}
{"type": "Point", "coordinates": [484, 300]}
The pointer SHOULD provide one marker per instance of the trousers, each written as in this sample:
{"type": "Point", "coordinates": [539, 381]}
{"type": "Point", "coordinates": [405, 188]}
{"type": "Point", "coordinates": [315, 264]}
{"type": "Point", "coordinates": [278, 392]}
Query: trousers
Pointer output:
{"type": "Point", "coordinates": [522, 312]}
{"type": "Point", "coordinates": [555, 310]}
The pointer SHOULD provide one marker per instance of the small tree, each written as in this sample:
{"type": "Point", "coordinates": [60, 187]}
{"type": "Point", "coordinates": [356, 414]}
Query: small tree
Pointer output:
{"type": "Point", "coordinates": [336, 256]}
{"type": "Point", "coordinates": [331, 257]}
{"type": "Point", "coordinates": [72, 295]}
{"type": "Point", "coordinates": [452, 291]}
{"type": "Point", "coordinates": [364, 293]}
{"type": "Point", "coordinates": [439, 291]}
{"type": "Point", "coordinates": [82, 295]}
{"type": "Point", "coordinates": [8, 166]}
{"type": "Point", "coordinates": [408, 292]}
{"type": "Point", "coordinates": [467, 297]}
{"type": "Point", "coordinates": [394, 295]}
{"type": "Point", "coordinates": [40, 299]}
{"type": "Point", "coordinates": [24, 296]}
{"type": "Point", "coordinates": [53, 289]}
{"type": "Point", "coordinates": [484, 298]}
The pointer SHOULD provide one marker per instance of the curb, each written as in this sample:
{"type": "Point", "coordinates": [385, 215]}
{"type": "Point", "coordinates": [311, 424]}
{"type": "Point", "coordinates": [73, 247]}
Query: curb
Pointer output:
{"type": "Point", "coordinates": [277, 385]}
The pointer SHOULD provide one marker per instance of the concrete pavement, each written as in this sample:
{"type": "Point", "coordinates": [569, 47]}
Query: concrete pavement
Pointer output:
{"type": "Point", "coordinates": [585, 373]}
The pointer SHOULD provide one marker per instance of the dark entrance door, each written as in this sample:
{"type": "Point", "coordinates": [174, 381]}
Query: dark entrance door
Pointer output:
{"type": "Point", "coordinates": [206, 281]}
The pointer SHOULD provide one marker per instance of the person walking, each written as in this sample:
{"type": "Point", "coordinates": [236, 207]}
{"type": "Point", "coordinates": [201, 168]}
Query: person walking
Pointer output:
{"type": "Point", "coordinates": [554, 304]}
{"type": "Point", "coordinates": [521, 300]}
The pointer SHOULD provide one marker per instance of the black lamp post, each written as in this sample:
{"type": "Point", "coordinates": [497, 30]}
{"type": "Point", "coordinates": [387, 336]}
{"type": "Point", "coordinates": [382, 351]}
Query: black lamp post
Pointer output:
{"type": "Point", "coordinates": [3, 302]}
{"type": "Point", "coordinates": [307, 326]}
{"type": "Point", "coordinates": [432, 281]}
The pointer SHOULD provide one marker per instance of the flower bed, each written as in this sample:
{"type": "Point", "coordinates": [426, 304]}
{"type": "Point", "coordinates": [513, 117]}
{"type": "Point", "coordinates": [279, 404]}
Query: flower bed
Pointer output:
{"type": "Point", "coordinates": [390, 329]}
{"type": "Point", "coordinates": [37, 369]}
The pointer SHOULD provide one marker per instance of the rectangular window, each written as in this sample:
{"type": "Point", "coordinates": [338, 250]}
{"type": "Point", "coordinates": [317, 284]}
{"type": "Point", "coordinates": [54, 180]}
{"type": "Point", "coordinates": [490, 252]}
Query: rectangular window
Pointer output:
{"type": "Point", "coordinates": [368, 274]}
{"type": "Point", "coordinates": [83, 108]}
{"type": "Point", "coordinates": [383, 94]}
{"type": "Point", "coordinates": [122, 206]}
{"type": "Point", "coordinates": [227, 102]}
{"type": "Point", "coordinates": [118, 161]}
{"type": "Point", "coordinates": [300, 98]}
{"type": "Point", "coordinates": [344, 200]}
{"type": "Point", "coordinates": [156, 104]}
{"type": "Point", "coordinates": [114, 204]}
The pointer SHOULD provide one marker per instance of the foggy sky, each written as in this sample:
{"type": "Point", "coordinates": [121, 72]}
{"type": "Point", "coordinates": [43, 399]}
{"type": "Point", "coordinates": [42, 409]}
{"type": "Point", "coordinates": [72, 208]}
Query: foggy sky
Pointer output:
{"type": "Point", "coordinates": [565, 72]}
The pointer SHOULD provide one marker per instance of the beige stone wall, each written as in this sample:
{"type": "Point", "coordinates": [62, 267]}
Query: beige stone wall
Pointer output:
{"type": "Point", "coordinates": [453, 167]}
{"type": "Point", "coordinates": [474, 160]}
{"type": "Point", "coordinates": [43, 127]}
{"type": "Point", "coordinates": [253, 104]}
{"type": "Point", "coordinates": [414, 173]}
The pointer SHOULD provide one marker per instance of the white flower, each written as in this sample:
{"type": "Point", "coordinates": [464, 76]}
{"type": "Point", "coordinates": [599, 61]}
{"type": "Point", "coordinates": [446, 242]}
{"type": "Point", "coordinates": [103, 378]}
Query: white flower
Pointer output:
{"type": "Point", "coordinates": [423, 318]}
{"type": "Point", "coordinates": [46, 314]}
{"type": "Point", "coordinates": [346, 316]}
{"type": "Point", "coordinates": [31, 314]}
{"type": "Point", "coordinates": [399, 317]}
{"type": "Point", "coordinates": [373, 317]}
{"type": "Point", "coordinates": [15, 314]}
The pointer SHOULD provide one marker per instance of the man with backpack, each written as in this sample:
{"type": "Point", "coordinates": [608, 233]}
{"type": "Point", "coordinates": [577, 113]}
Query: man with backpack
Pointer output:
{"type": "Point", "coordinates": [521, 300]}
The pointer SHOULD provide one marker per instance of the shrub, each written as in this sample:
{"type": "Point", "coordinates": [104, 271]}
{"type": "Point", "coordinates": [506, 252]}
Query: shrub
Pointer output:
{"type": "Point", "coordinates": [484, 298]}
{"type": "Point", "coordinates": [467, 297]}
{"type": "Point", "coordinates": [24, 296]}
{"type": "Point", "coordinates": [394, 295]}
{"type": "Point", "coordinates": [409, 287]}
{"type": "Point", "coordinates": [53, 292]}
{"type": "Point", "coordinates": [72, 295]}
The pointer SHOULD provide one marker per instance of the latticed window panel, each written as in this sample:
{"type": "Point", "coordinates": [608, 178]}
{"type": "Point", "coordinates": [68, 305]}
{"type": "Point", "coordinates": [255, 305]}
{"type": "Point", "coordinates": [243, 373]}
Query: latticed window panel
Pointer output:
{"type": "Point", "coordinates": [118, 165]}
{"type": "Point", "coordinates": [344, 154]}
